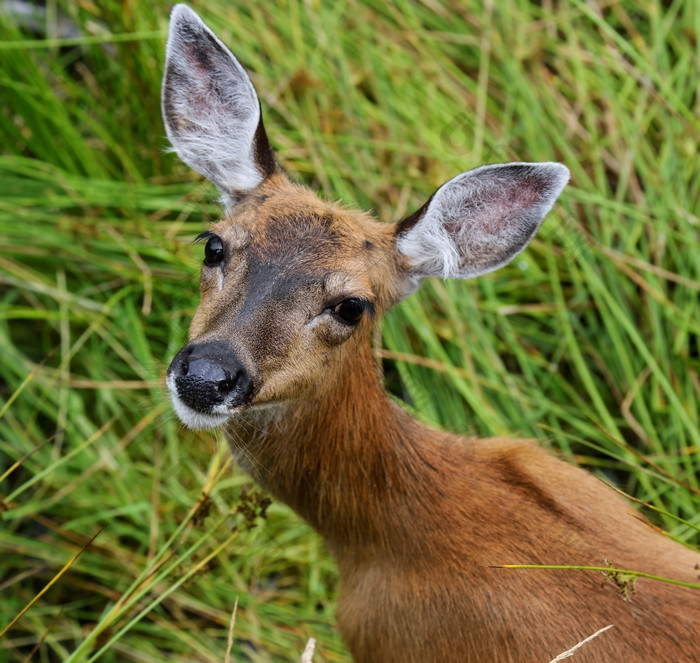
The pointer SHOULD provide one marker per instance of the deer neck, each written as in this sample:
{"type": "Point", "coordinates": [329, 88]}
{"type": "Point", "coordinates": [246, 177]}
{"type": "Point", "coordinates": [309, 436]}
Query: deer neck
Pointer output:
{"type": "Point", "coordinates": [347, 460]}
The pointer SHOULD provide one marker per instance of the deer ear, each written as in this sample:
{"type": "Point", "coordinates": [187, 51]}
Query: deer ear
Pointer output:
{"type": "Point", "coordinates": [211, 111]}
{"type": "Point", "coordinates": [480, 220]}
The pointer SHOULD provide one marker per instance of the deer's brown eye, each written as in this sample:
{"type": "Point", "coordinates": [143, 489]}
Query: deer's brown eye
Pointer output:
{"type": "Point", "coordinates": [213, 251]}
{"type": "Point", "coordinates": [350, 311]}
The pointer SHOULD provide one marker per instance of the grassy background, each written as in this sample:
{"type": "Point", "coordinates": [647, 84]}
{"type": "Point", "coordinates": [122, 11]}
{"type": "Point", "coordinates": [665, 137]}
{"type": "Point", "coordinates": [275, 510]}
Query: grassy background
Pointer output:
{"type": "Point", "coordinates": [588, 342]}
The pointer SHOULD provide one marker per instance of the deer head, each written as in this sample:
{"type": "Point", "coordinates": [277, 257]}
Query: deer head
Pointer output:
{"type": "Point", "coordinates": [291, 285]}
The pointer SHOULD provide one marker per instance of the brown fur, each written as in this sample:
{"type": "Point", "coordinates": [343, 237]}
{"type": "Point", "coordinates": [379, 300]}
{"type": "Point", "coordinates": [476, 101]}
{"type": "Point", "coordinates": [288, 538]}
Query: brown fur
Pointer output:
{"type": "Point", "coordinates": [414, 516]}
{"type": "Point", "coordinates": [280, 355]}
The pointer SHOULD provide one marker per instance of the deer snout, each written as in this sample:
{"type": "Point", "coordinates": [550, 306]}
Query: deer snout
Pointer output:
{"type": "Point", "coordinates": [209, 379]}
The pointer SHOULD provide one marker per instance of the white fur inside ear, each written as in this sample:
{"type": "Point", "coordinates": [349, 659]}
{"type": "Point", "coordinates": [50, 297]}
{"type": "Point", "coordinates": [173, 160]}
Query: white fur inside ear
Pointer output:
{"type": "Point", "coordinates": [481, 219]}
{"type": "Point", "coordinates": [210, 107]}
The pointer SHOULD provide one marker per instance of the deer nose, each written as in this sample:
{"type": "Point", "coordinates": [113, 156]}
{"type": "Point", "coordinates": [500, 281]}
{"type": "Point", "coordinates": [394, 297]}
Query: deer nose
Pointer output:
{"type": "Point", "coordinates": [207, 375]}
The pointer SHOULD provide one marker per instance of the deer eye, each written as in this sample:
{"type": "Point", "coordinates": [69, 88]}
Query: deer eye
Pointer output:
{"type": "Point", "coordinates": [213, 251]}
{"type": "Point", "coordinates": [349, 310]}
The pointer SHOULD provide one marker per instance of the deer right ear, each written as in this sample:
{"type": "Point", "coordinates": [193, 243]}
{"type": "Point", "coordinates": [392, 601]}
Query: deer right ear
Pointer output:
{"type": "Point", "coordinates": [211, 111]}
{"type": "Point", "coordinates": [479, 220]}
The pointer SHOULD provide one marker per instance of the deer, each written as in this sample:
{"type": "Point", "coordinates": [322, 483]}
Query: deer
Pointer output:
{"type": "Point", "coordinates": [280, 357]}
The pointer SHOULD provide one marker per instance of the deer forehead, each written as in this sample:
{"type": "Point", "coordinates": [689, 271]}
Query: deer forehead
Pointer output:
{"type": "Point", "coordinates": [287, 232]}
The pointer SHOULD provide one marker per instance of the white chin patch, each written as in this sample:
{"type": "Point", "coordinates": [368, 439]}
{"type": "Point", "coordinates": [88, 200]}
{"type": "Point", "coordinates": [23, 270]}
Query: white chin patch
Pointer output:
{"type": "Point", "coordinates": [191, 418]}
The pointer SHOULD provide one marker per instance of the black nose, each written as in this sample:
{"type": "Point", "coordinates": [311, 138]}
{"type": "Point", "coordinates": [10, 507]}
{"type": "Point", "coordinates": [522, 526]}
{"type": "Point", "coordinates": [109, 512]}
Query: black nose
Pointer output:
{"type": "Point", "coordinates": [208, 374]}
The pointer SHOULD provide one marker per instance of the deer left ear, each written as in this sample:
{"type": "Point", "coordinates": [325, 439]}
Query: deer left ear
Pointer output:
{"type": "Point", "coordinates": [211, 110]}
{"type": "Point", "coordinates": [480, 220]}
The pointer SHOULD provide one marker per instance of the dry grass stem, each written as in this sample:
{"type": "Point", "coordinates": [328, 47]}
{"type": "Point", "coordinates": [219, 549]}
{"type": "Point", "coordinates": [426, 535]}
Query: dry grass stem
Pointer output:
{"type": "Point", "coordinates": [575, 648]}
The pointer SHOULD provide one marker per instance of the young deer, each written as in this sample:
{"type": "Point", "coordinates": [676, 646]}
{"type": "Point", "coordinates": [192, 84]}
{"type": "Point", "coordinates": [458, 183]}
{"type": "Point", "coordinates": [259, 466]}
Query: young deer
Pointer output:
{"type": "Point", "coordinates": [280, 357]}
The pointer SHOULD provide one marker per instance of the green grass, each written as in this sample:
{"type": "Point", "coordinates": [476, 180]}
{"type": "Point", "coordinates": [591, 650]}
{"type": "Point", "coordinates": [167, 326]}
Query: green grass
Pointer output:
{"type": "Point", "coordinates": [588, 342]}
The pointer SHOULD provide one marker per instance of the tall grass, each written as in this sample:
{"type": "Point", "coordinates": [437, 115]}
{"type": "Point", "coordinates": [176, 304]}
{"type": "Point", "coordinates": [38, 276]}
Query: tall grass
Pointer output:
{"type": "Point", "coordinates": [588, 342]}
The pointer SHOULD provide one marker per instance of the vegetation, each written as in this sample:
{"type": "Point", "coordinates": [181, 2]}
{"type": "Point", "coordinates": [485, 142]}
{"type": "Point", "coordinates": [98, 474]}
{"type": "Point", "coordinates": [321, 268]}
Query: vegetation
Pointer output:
{"type": "Point", "coordinates": [588, 342]}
